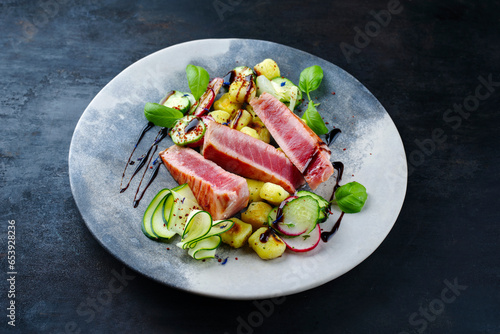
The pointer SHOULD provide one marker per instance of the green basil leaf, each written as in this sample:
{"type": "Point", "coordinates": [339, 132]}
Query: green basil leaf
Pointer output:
{"type": "Point", "coordinates": [313, 120]}
{"type": "Point", "coordinates": [310, 79]}
{"type": "Point", "coordinates": [161, 115]}
{"type": "Point", "coordinates": [351, 197]}
{"type": "Point", "coordinates": [198, 79]}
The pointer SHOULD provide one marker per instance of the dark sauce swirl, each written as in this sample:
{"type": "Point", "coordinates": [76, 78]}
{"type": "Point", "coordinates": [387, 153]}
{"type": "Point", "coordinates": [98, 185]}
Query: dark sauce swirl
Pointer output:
{"type": "Point", "coordinates": [191, 125]}
{"type": "Point", "coordinates": [148, 127]}
{"type": "Point", "coordinates": [339, 166]}
{"type": "Point", "coordinates": [144, 160]}
{"type": "Point", "coordinates": [151, 179]}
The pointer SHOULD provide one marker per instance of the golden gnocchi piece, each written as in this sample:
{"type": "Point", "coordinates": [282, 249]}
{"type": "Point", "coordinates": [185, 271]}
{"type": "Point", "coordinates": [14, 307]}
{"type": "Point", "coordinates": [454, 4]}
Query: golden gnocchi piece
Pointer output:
{"type": "Point", "coordinates": [266, 244]}
{"type": "Point", "coordinates": [224, 103]}
{"type": "Point", "coordinates": [241, 119]}
{"type": "Point", "coordinates": [254, 189]}
{"type": "Point", "coordinates": [238, 235]}
{"type": "Point", "coordinates": [256, 214]}
{"type": "Point", "coordinates": [273, 193]}
{"type": "Point", "coordinates": [267, 68]}
{"type": "Point", "coordinates": [242, 91]}
{"type": "Point", "coordinates": [250, 132]}
{"type": "Point", "coordinates": [220, 116]}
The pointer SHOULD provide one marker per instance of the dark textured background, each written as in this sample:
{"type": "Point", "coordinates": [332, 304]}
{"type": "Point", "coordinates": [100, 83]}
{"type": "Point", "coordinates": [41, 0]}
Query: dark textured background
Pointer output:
{"type": "Point", "coordinates": [56, 56]}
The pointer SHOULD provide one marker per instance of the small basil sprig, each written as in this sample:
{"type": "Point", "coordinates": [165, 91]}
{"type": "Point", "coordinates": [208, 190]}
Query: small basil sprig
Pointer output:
{"type": "Point", "coordinates": [351, 197]}
{"type": "Point", "coordinates": [198, 79]}
{"type": "Point", "coordinates": [310, 79]}
{"type": "Point", "coordinates": [313, 119]}
{"type": "Point", "coordinates": [161, 115]}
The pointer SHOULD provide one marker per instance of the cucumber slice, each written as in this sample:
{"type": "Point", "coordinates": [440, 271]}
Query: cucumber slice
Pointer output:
{"type": "Point", "coordinates": [177, 211]}
{"type": "Point", "coordinates": [177, 100]}
{"type": "Point", "coordinates": [272, 216]}
{"type": "Point", "coordinates": [290, 93]}
{"type": "Point", "coordinates": [322, 216]}
{"type": "Point", "coordinates": [205, 248]}
{"type": "Point", "coordinates": [189, 130]}
{"type": "Point", "coordinates": [219, 227]}
{"type": "Point", "coordinates": [167, 213]}
{"type": "Point", "coordinates": [299, 216]}
{"type": "Point", "coordinates": [148, 235]}
{"type": "Point", "coordinates": [198, 225]}
{"type": "Point", "coordinates": [281, 88]}
{"type": "Point", "coordinates": [323, 203]}
{"type": "Point", "coordinates": [158, 222]}
{"type": "Point", "coordinates": [191, 98]}
{"type": "Point", "coordinates": [264, 85]}
{"type": "Point", "coordinates": [201, 235]}
{"type": "Point", "coordinates": [148, 214]}
{"type": "Point", "coordinates": [184, 191]}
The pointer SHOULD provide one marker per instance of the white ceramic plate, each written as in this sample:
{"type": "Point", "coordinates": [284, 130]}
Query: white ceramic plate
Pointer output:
{"type": "Point", "coordinates": [370, 148]}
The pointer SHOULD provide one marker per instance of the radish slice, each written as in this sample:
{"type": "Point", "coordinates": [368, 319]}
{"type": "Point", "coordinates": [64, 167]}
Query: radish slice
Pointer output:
{"type": "Point", "coordinates": [205, 102]}
{"type": "Point", "coordinates": [300, 216]}
{"type": "Point", "coordinates": [304, 243]}
{"type": "Point", "coordinates": [202, 106]}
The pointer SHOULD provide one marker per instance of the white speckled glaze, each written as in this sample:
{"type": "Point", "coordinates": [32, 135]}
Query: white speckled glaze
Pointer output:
{"type": "Point", "coordinates": [108, 128]}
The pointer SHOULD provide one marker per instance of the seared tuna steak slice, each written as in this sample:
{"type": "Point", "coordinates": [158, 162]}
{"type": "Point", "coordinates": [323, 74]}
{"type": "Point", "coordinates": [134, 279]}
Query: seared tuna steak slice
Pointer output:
{"type": "Point", "coordinates": [247, 156]}
{"type": "Point", "coordinates": [300, 144]}
{"type": "Point", "coordinates": [219, 192]}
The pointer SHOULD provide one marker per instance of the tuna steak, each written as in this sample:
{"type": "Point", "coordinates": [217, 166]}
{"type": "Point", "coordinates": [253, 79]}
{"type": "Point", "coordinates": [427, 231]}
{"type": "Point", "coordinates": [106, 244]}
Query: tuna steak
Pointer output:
{"type": "Point", "coordinates": [301, 145]}
{"type": "Point", "coordinates": [220, 193]}
{"type": "Point", "coordinates": [247, 156]}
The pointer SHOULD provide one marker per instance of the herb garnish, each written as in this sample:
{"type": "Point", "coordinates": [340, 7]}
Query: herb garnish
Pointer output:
{"type": "Point", "coordinates": [313, 119]}
{"type": "Point", "coordinates": [351, 197]}
{"type": "Point", "coordinates": [161, 115]}
{"type": "Point", "coordinates": [310, 79]}
{"type": "Point", "coordinates": [198, 79]}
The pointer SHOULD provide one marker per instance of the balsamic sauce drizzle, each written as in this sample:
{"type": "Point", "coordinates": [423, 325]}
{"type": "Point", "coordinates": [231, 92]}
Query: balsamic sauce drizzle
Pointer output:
{"type": "Point", "coordinates": [141, 164]}
{"type": "Point", "coordinates": [191, 125]}
{"type": "Point", "coordinates": [339, 166]}
{"type": "Point", "coordinates": [264, 237]}
{"type": "Point", "coordinates": [129, 162]}
{"type": "Point", "coordinates": [145, 159]}
{"type": "Point", "coordinates": [154, 173]}
{"type": "Point", "coordinates": [332, 136]}
{"type": "Point", "coordinates": [234, 122]}
{"type": "Point", "coordinates": [326, 235]}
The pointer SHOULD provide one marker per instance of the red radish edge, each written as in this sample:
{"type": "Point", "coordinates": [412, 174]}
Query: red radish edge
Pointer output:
{"type": "Point", "coordinates": [294, 244]}
{"type": "Point", "coordinates": [285, 230]}
{"type": "Point", "coordinates": [206, 101]}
